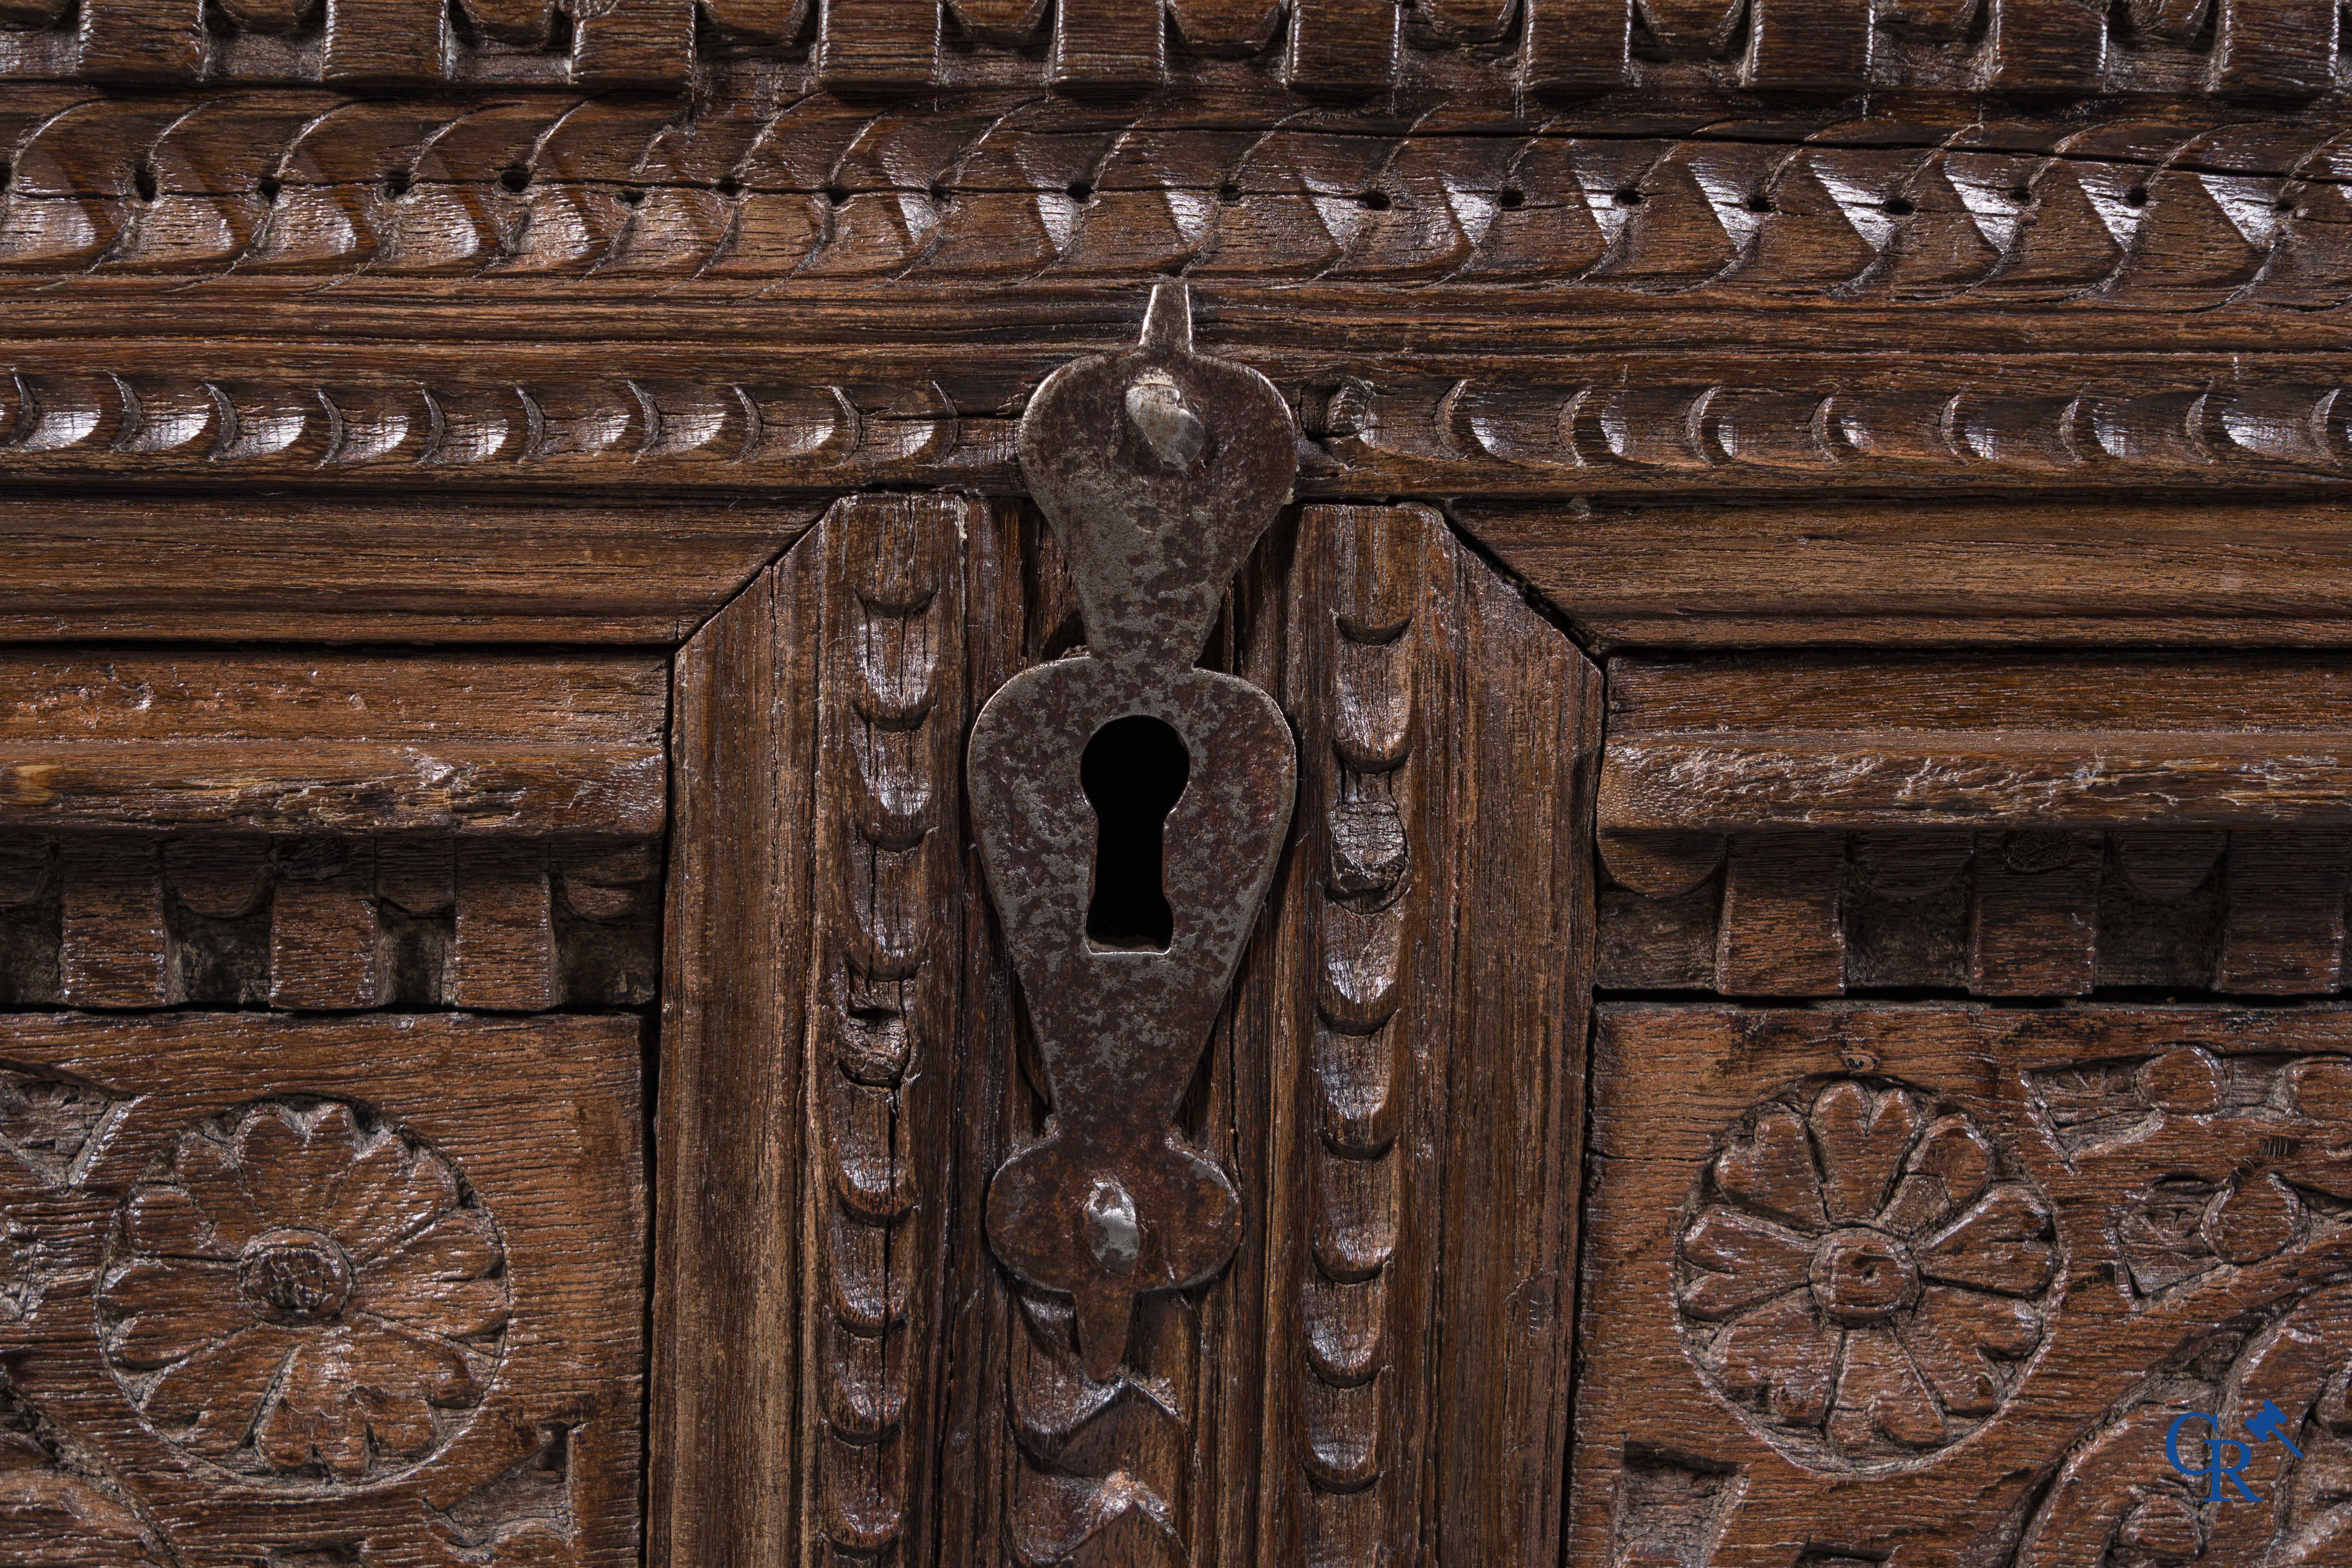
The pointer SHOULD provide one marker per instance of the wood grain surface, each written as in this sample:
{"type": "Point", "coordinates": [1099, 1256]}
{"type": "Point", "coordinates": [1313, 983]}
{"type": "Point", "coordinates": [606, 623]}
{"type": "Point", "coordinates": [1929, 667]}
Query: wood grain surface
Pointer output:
{"type": "Point", "coordinates": [1925, 574]}
{"type": "Point", "coordinates": [265, 569]}
{"type": "Point", "coordinates": [2253, 49]}
{"type": "Point", "coordinates": [488, 743]}
{"type": "Point", "coordinates": [2149, 742]}
{"type": "Point", "coordinates": [369, 1288]}
{"type": "Point", "coordinates": [1819, 530]}
{"type": "Point", "coordinates": [1931, 1284]}
{"type": "Point", "coordinates": [1404, 1268]}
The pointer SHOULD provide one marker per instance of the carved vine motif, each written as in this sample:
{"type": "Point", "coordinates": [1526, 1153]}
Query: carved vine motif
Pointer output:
{"type": "Point", "coordinates": [302, 1296]}
{"type": "Point", "coordinates": [62, 1508]}
{"type": "Point", "coordinates": [48, 1120]}
{"type": "Point", "coordinates": [1864, 1273]}
{"type": "Point", "coordinates": [2185, 1227]}
{"type": "Point", "coordinates": [2118, 1503]}
{"type": "Point", "coordinates": [2100, 1106]}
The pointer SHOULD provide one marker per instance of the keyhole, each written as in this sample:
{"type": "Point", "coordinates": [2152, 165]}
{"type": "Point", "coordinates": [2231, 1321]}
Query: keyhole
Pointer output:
{"type": "Point", "coordinates": [1134, 772]}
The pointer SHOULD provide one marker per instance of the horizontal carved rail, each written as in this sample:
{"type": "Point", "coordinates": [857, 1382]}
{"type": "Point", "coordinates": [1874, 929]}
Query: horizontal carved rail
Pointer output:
{"type": "Point", "coordinates": [2028, 914]}
{"type": "Point", "coordinates": [2023, 826]}
{"type": "Point", "coordinates": [2180, 210]}
{"type": "Point", "coordinates": [1709, 747]}
{"type": "Point", "coordinates": [140, 920]}
{"type": "Point", "coordinates": [1465, 435]}
{"type": "Point", "coordinates": [2239, 48]}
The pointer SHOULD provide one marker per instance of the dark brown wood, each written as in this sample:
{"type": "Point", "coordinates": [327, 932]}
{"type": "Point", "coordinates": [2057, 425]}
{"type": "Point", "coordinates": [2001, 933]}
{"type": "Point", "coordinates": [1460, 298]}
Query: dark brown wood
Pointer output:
{"type": "Point", "coordinates": [1098, 46]}
{"type": "Point", "coordinates": [2033, 926]}
{"type": "Point", "coordinates": [323, 931]}
{"type": "Point", "coordinates": [2284, 922]}
{"type": "Point", "coordinates": [462, 1375]}
{"type": "Point", "coordinates": [723, 1438]}
{"type": "Point", "coordinates": [1715, 745]}
{"type": "Point", "coordinates": [2024, 46]}
{"type": "Point", "coordinates": [1926, 574]}
{"type": "Point", "coordinates": [2126, 787]}
{"type": "Point", "coordinates": [380, 38]}
{"type": "Point", "coordinates": [514, 510]}
{"type": "Point", "coordinates": [490, 743]}
{"type": "Point", "coordinates": [139, 919]}
{"type": "Point", "coordinates": [942, 1409]}
{"type": "Point", "coordinates": [227, 572]}
{"type": "Point", "coordinates": [1744, 1379]}
{"type": "Point", "coordinates": [1779, 933]}
{"type": "Point", "coordinates": [2273, 50]}
{"type": "Point", "coordinates": [1818, 44]}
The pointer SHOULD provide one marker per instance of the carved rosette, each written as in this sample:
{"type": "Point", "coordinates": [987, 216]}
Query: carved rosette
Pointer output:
{"type": "Point", "coordinates": [1864, 1273]}
{"type": "Point", "coordinates": [303, 1296]}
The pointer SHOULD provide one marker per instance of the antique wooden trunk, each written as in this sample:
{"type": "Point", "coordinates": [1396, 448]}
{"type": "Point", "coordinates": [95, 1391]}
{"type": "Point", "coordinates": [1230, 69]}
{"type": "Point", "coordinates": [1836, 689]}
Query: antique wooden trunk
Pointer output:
{"type": "Point", "coordinates": [1175, 783]}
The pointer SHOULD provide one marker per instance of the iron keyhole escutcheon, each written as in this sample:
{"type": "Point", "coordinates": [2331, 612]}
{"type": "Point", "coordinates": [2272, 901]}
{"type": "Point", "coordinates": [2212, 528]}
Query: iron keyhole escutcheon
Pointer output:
{"type": "Point", "coordinates": [1127, 884]}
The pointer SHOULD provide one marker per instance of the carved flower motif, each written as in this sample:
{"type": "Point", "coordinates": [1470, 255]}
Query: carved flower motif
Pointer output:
{"type": "Point", "coordinates": [297, 1291]}
{"type": "Point", "coordinates": [1863, 1274]}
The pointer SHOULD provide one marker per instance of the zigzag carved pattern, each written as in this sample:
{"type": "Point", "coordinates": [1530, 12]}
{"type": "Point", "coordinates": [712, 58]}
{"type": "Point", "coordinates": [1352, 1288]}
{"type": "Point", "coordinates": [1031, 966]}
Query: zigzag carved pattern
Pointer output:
{"type": "Point", "coordinates": [1361, 1059]}
{"type": "Point", "coordinates": [2160, 213]}
{"type": "Point", "coordinates": [1101, 1472]}
{"type": "Point", "coordinates": [2257, 48]}
{"type": "Point", "coordinates": [883, 1003]}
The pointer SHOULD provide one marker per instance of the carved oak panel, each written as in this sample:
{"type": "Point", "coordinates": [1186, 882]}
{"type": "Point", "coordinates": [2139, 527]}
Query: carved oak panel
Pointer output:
{"type": "Point", "coordinates": [1931, 1285]}
{"type": "Point", "coordinates": [302, 1291]}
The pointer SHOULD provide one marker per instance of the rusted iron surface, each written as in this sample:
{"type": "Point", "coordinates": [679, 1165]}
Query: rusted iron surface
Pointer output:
{"type": "Point", "coordinates": [1158, 469]}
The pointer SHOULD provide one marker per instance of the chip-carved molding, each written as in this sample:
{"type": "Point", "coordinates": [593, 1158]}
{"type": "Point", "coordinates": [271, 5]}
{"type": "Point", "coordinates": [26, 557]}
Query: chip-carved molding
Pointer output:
{"type": "Point", "coordinates": [2235, 48]}
{"type": "Point", "coordinates": [2179, 208]}
{"type": "Point", "coordinates": [2028, 825]}
{"type": "Point", "coordinates": [1373, 626]}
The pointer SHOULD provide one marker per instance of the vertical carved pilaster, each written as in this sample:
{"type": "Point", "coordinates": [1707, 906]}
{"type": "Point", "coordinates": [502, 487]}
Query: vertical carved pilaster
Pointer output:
{"type": "Point", "coordinates": [1370, 859]}
{"type": "Point", "coordinates": [1425, 1043]}
{"type": "Point", "coordinates": [1130, 808]}
{"type": "Point", "coordinates": [1361, 1063]}
{"type": "Point", "coordinates": [882, 1008]}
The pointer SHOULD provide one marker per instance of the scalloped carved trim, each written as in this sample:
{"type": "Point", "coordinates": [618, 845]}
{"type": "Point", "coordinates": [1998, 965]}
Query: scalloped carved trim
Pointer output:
{"type": "Point", "coordinates": [882, 1007]}
{"type": "Point", "coordinates": [1547, 431]}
